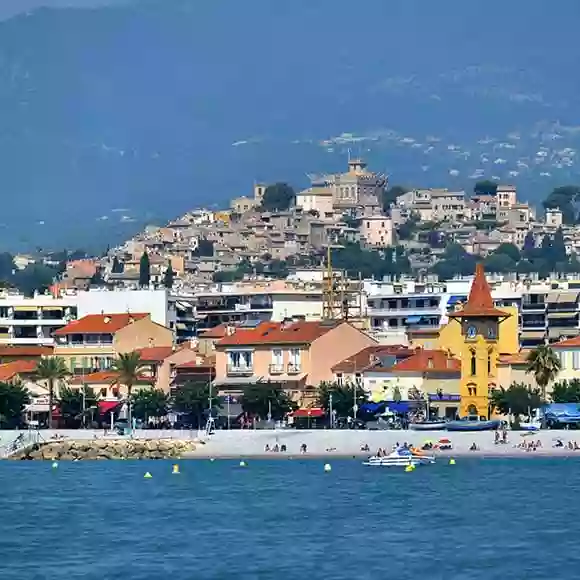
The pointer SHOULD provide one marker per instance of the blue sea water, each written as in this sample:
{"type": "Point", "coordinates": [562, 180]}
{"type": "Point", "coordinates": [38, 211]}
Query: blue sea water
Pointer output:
{"type": "Point", "coordinates": [480, 519]}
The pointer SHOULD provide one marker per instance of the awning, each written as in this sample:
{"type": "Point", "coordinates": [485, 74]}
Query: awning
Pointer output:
{"type": "Point", "coordinates": [372, 407]}
{"type": "Point", "coordinates": [401, 407]}
{"type": "Point", "coordinates": [443, 397]}
{"type": "Point", "coordinates": [232, 381]}
{"type": "Point", "coordinates": [314, 412]}
{"type": "Point", "coordinates": [37, 408]}
{"type": "Point", "coordinates": [533, 333]}
{"type": "Point", "coordinates": [562, 314]}
{"type": "Point", "coordinates": [26, 308]}
{"type": "Point", "coordinates": [412, 319]}
{"type": "Point", "coordinates": [567, 297]}
{"type": "Point", "coordinates": [455, 299]}
{"type": "Point", "coordinates": [552, 298]}
{"type": "Point", "coordinates": [107, 406]}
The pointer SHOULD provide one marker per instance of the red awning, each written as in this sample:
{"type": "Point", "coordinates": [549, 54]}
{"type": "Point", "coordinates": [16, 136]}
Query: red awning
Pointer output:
{"type": "Point", "coordinates": [107, 406]}
{"type": "Point", "coordinates": [314, 412]}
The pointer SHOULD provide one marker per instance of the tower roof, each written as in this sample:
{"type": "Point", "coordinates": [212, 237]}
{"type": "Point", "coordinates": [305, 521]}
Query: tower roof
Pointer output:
{"type": "Point", "coordinates": [480, 302]}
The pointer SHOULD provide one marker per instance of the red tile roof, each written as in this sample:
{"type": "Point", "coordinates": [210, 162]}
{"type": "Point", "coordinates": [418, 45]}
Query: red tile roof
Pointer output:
{"type": "Point", "coordinates": [573, 342]}
{"type": "Point", "coordinates": [26, 351]}
{"type": "Point", "coordinates": [156, 353]}
{"type": "Point", "coordinates": [278, 333]}
{"type": "Point", "coordinates": [366, 358]}
{"type": "Point", "coordinates": [18, 367]}
{"type": "Point", "coordinates": [428, 361]}
{"type": "Point", "coordinates": [100, 324]}
{"type": "Point", "coordinates": [480, 302]}
{"type": "Point", "coordinates": [105, 377]}
{"type": "Point", "coordinates": [215, 332]}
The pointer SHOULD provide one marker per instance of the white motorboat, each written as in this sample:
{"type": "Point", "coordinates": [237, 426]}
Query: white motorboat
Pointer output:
{"type": "Point", "coordinates": [401, 457]}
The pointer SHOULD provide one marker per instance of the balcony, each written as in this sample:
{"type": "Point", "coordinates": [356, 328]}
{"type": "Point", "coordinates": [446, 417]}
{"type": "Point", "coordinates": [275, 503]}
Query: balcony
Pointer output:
{"type": "Point", "coordinates": [534, 306]}
{"type": "Point", "coordinates": [239, 370]}
{"type": "Point", "coordinates": [293, 368]}
{"type": "Point", "coordinates": [276, 369]}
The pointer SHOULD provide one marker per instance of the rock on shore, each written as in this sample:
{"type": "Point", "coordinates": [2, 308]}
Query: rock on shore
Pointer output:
{"type": "Point", "coordinates": [107, 449]}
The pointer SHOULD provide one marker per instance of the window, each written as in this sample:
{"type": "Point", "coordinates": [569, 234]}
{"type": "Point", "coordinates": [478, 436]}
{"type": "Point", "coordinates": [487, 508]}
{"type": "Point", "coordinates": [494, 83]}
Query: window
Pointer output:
{"type": "Point", "coordinates": [240, 359]}
{"type": "Point", "coordinates": [277, 356]}
{"type": "Point", "coordinates": [294, 358]}
{"type": "Point", "coordinates": [489, 362]}
{"type": "Point", "coordinates": [576, 360]}
{"type": "Point", "coordinates": [473, 364]}
{"type": "Point", "coordinates": [339, 378]}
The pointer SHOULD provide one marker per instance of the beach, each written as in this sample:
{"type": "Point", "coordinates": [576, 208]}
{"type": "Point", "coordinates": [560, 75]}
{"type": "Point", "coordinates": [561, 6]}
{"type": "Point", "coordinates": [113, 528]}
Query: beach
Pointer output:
{"type": "Point", "coordinates": [347, 443]}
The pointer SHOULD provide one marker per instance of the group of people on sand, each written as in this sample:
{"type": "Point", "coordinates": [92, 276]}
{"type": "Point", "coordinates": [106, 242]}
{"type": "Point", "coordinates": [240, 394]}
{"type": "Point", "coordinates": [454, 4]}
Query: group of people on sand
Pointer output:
{"type": "Point", "coordinates": [276, 448]}
{"type": "Point", "coordinates": [571, 446]}
{"type": "Point", "coordinates": [501, 439]}
{"type": "Point", "coordinates": [531, 445]}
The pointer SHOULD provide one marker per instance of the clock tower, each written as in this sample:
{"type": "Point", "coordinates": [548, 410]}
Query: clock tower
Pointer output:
{"type": "Point", "coordinates": [480, 328]}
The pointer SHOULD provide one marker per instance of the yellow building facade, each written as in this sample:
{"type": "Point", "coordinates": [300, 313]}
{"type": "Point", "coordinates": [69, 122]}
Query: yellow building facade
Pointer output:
{"type": "Point", "coordinates": [478, 334]}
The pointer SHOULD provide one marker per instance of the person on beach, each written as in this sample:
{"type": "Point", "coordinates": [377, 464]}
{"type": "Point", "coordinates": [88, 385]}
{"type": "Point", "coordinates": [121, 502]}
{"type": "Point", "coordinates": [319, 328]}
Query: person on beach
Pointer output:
{"type": "Point", "coordinates": [497, 437]}
{"type": "Point", "coordinates": [267, 448]}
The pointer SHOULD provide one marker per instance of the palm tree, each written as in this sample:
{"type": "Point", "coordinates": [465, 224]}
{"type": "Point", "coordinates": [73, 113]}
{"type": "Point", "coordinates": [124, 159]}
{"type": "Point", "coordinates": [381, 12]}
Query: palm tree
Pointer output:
{"type": "Point", "coordinates": [128, 368]}
{"type": "Point", "coordinates": [545, 365]}
{"type": "Point", "coordinates": [51, 369]}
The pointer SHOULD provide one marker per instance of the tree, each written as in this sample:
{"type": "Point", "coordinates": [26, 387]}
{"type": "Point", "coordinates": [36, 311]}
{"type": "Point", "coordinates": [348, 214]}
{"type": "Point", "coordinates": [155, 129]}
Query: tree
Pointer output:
{"type": "Point", "coordinates": [278, 197]}
{"type": "Point", "coordinates": [117, 267]}
{"type": "Point", "coordinates": [343, 397]}
{"type": "Point", "coordinates": [485, 187]}
{"type": "Point", "coordinates": [169, 277]}
{"type": "Point", "coordinates": [204, 248]}
{"type": "Point", "coordinates": [545, 365]}
{"type": "Point", "coordinates": [51, 369]}
{"type": "Point", "coordinates": [564, 198]}
{"type": "Point", "coordinates": [144, 270]}
{"type": "Point", "coordinates": [13, 399]}
{"type": "Point", "coordinates": [147, 403]}
{"type": "Point", "coordinates": [192, 399]}
{"type": "Point", "coordinates": [76, 404]}
{"type": "Point", "coordinates": [128, 368]}
{"type": "Point", "coordinates": [509, 250]}
{"type": "Point", "coordinates": [262, 398]}
{"type": "Point", "coordinates": [34, 278]}
{"type": "Point", "coordinates": [566, 391]}
{"type": "Point", "coordinates": [529, 244]}
{"type": "Point", "coordinates": [499, 263]}
{"type": "Point", "coordinates": [390, 196]}
{"type": "Point", "coordinates": [558, 248]}
{"type": "Point", "coordinates": [518, 399]}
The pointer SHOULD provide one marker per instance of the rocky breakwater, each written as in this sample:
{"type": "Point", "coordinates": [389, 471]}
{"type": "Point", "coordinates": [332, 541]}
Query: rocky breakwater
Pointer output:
{"type": "Point", "coordinates": [107, 449]}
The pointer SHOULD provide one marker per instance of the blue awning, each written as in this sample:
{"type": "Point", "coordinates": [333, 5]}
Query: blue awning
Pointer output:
{"type": "Point", "coordinates": [455, 299]}
{"type": "Point", "coordinates": [402, 407]}
{"type": "Point", "coordinates": [372, 407]}
{"type": "Point", "coordinates": [413, 319]}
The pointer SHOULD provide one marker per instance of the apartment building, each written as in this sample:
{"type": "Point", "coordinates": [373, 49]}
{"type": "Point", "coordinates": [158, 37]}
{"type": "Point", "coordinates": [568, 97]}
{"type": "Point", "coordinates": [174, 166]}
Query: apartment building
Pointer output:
{"type": "Point", "coordinates": [32, 321]}
{"type": "Point", "coordinates": [295, 354]}
{"type": "Point", "coordinates": [377, 231]}
{"type": "Point", "coordinates": [93, 342]}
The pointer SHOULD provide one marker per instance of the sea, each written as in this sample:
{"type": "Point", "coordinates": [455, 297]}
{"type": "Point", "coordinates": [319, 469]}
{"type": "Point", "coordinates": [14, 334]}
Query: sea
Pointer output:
{"type": "Point", "coordinates": [480, 519]}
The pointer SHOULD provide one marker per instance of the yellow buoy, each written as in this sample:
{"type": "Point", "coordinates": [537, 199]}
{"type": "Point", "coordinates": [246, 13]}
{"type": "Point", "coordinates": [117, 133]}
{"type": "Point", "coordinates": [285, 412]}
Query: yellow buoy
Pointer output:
{"type": "Point", "coordinates": [452, 462]}
{"type": "Point", "coordinates": [175, 469]}
{"type": "Point", "coordinates": [327, 467]}
{"type": "Point", "coordinates": [242, 464]}
{"type": "Point", "coordinates": [147, 475]}
{"type": "Point", "coordinates": [409, 468]}
{"type": "Point", "coordinates": [54, 465]}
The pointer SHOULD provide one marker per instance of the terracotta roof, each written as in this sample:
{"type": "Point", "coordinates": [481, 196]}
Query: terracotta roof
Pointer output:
{"type": "Point", "coordinates": [428, 361]}
{"type": "Point", "coordinates": [156, 353]}
{"type": "Point", "coordinates": [573, 342]}
{"type": "Point", "coordinates": [192, 364]}
{"type": "Point", "coordinates": [99, 324]}
{"type": "Point", "coordinates": [18, 367]}
{"type": "Point", "coordinates": [28, 351]}
{"type": "Point", "coordinates": [104, 377]}
{"type": "Point", "coordinates": [215, 332]}
{"type": "Point", "coordinates": [364, 359]}
{"type": "Point", "coordinates": [479, 302]}
{"type": "Point", "coordinates": [519, 358]}
{"type": "Point", "coordinates": [279, 333]}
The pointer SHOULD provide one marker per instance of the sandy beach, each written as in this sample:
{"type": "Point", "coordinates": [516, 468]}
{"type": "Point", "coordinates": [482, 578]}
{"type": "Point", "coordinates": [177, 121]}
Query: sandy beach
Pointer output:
{"type": "Point", "coordinates": [344, 443]}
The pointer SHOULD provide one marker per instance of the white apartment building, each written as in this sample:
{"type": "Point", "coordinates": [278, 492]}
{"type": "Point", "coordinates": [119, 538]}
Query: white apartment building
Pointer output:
{"type": "Point", "coordinates": [31, 321]}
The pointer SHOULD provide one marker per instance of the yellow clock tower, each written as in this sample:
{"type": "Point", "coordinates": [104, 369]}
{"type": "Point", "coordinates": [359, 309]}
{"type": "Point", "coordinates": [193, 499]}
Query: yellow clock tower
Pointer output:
{"type": "Point", "coordinates": [480, 328]}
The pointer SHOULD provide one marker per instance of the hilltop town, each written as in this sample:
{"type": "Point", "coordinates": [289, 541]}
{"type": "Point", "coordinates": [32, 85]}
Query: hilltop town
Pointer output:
{"type": "Point", "coordinates": [364, 278]}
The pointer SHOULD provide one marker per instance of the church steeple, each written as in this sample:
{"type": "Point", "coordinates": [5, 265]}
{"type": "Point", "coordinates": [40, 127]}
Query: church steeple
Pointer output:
{"type": "Point", "coordinates": [480, 302]}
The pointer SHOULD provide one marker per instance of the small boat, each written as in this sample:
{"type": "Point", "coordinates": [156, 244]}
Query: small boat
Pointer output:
{"type": "Point", "coordinates": [400, 458]}
{"type": "Point", "coordinates": [433, 425]}
{"type": "Point", "coordinates": [473, 424]}
{"type": "Point", "coordinates": [445, 444]}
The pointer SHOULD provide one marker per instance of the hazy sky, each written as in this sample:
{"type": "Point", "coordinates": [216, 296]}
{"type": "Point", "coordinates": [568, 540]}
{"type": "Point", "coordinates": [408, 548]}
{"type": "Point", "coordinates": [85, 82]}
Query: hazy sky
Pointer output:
{"type": "Point", "coordinates": [9, 8]}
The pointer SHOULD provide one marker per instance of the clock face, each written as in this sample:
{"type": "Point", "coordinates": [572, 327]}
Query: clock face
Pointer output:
{"type": "Point", "coordinates": [471, 331]}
